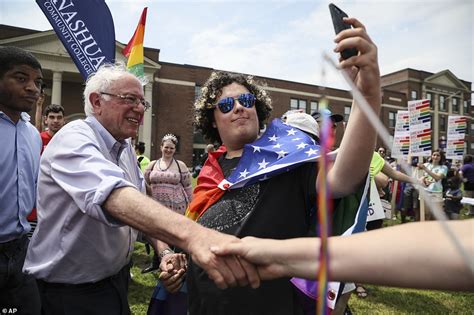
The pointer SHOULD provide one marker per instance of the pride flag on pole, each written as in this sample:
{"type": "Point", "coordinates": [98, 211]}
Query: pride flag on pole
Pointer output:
{"type": "Point", "coordinates": [134, 49]}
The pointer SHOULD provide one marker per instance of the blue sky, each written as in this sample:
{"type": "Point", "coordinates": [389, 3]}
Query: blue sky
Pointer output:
{"type": "Point", "coordinates": [285, 39]}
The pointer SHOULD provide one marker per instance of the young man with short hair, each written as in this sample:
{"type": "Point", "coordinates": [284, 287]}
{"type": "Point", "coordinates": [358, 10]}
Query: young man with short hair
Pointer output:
{"type": "Point", "coordinates": [53, 120]}
{"type": "Point", "coordinates": [21, 78]}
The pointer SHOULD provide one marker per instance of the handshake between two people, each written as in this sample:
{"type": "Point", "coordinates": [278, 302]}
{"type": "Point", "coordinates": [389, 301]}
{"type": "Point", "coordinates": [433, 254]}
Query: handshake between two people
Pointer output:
{"type": "Point", "coordinates": [237, 262]}
{"type": "Point", "coordinates": [436, 262]}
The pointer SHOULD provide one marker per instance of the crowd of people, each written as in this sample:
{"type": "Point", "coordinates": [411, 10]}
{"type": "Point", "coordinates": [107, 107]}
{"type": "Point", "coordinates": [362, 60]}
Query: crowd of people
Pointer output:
{"type": "Point", "coordinates": [442, 181]}
{"type": "Point", "coordinates": [219, 250]}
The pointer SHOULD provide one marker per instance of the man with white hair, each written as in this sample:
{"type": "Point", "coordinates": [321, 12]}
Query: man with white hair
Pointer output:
{"type": "Point", "coordinates": [90, 199]}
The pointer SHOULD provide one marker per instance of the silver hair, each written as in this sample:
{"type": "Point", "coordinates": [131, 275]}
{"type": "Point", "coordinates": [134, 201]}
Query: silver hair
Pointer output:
{"type": "Point", "coordinates": [105, 76]}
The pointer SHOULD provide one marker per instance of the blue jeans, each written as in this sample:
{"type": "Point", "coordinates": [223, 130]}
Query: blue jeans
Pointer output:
{"type": "Point", "coordinates": [18, 291]}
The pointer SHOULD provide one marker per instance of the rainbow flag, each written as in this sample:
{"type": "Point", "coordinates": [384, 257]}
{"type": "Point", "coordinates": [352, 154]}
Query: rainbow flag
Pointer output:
{"type": "Point", "coordinates": [134, 49]}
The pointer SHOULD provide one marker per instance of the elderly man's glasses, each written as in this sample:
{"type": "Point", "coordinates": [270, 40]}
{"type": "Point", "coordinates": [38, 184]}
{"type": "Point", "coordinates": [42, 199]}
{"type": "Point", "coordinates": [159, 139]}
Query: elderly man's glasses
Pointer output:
{"type": "Point", "coordinates": [227, 104]}
{"type": "Point", "coordinates": [129, 99]}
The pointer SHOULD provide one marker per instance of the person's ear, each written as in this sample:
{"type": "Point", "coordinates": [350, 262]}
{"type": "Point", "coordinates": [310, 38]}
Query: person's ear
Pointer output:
{"type": "Point", "coordinates": [94, 98]}
{"type": "Point", "coordinates": [214, 124]}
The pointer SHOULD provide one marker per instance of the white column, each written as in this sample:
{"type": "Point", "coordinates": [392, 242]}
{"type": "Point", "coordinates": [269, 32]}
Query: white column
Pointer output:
{"type": "Point", "coordinates": [56, 89]}
{"type": "Point", "coordinates": [144, 133]}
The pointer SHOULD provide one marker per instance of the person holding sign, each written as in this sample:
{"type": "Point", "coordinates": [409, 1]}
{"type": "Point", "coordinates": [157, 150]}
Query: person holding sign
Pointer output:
{"type": "Point", "coordinates": [435, 171]}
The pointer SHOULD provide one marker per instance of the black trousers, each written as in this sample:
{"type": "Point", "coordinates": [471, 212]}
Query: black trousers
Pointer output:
{"type": "Point", "coordinates": [18, 291]}
{"type": "Point", "coordinates": [107, 296]}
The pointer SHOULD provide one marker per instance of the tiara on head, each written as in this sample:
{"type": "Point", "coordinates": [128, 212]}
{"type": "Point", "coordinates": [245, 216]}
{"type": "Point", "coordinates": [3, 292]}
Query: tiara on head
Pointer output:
{"type": "Point", "coordinates": [171, 137]}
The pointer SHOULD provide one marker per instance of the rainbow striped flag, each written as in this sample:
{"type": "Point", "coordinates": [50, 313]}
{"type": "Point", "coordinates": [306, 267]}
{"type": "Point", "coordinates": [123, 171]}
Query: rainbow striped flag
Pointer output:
{"type": "Point", "coordinates": [134, 49]}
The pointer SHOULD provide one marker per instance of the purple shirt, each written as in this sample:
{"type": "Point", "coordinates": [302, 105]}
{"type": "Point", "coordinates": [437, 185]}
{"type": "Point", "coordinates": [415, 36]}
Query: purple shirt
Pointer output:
{"type": "Point", "coordinates": [468, 172]}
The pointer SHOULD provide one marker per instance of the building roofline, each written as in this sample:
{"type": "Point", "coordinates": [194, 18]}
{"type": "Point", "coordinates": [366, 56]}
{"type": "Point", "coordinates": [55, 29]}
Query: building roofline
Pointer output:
{"type": "Point", "coordinates": [259, 76]}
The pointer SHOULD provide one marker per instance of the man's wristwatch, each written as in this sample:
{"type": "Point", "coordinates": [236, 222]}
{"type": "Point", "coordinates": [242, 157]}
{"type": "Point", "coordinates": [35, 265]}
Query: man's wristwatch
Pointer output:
{"type": "Point", "coordinates": [165, 252]}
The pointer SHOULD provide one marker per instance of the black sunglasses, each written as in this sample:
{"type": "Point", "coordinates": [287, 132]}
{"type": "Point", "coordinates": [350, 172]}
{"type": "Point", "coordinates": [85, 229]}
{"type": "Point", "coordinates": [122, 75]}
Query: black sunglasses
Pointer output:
{"type": "Point", "coordinates": [225, 105]}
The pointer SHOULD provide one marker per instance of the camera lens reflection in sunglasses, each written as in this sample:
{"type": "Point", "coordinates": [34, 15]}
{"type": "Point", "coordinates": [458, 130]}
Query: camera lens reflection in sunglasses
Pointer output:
{"type": "Point", "coordinates": [227, 104]}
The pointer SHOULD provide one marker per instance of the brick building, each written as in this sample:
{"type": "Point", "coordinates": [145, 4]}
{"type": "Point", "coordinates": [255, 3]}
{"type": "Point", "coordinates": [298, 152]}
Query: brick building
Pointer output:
{"type": "Point", "coordinates": [448, 95]}
{"type": "Point", "coordinates": [173, 88]}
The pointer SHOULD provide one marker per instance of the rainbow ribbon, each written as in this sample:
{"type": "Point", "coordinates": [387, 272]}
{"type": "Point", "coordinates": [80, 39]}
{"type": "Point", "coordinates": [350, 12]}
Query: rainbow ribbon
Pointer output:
{"type": "Point", "coordinates": [324, 211]}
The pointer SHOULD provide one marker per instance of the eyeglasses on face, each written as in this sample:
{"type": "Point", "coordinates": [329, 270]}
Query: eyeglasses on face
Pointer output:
{"type": "Point", "coordinates": [130, 99]}
{"type": "Point", "coordinates": [225, 105]}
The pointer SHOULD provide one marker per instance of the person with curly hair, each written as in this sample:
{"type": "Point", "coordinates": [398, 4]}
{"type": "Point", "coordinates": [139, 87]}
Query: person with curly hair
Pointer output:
{"type": "Point", "coordinates": [232, 110]}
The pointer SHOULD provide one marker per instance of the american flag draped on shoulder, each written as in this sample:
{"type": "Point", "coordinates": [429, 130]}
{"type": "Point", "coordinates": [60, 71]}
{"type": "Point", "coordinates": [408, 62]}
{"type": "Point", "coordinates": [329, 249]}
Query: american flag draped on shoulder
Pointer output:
{"type": "Point", "coordinates": [280, 149]}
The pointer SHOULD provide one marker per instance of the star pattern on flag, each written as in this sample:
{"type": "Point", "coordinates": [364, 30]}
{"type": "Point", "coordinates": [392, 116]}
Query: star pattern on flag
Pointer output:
{"type": "Point", "coordinates": [302, 145]}
{"type": "Point", "coordinates": [273, 138]}
{"type": "Point", "coordinates": [244, 173]}
{"type": "Point", "coordinates": [311, 152]}
{"type": "Point", "coordinates": [291, 132]}
{"type": "Point", "coordinates": [280, 149]}
{"type": "Point", "coordinates": [281, 154]}
{"type": "Point", "coordinates": [263, 164]}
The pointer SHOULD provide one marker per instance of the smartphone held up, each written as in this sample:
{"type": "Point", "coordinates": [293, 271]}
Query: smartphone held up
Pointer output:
{"type": "Point", "coordinates": [337, 16]}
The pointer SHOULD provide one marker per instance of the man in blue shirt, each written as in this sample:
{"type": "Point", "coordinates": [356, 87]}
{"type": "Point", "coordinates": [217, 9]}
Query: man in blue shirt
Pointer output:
{"type": "Point", "coordinates": [20, 81]}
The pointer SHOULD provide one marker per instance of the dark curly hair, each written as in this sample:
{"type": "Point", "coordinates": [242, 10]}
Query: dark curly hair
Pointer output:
{"type": "Point", "coordinates": [210, 93]}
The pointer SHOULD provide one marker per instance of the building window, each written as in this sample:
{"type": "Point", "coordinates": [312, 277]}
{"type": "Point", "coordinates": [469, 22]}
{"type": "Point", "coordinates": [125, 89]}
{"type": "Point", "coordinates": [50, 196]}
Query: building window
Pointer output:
{"type": "Point", "coordinates": [391, 119]}
{"type": "Point", "coordinates": [298, 104]}
{"type": "Point", "coordinates": [455, 105]}
{"type": "Point", "coordinates": [442, 123]}
{"type": "Point", "coordinates": [465, 108]}
{"type": "Point", "coordinates": [302, 104]}
{"type": "Point", "coordinates": [414, 95]}
{"type": "Point", "coordinates": [472, 129]}
{"type": "Point", "coordinates": [347, 112]}
{"type": "Point", "coordinates": [442, 103]}
{"type": "Point", "coordinates": [293, 103]}
{"type": "Point", "coordinates": [313, 105]}
{"type": "Point", "coordinates": [429, 97]}
{"type": "Point", "coordinates": [472, 146]}
{"type": "Point", "coordinates": [197, 92]}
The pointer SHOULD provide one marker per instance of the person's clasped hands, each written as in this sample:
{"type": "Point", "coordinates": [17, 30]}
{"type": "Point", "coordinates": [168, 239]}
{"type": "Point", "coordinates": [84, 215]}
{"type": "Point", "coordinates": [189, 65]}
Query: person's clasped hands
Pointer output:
{"type": "Point", "coordinates": [173, 268]}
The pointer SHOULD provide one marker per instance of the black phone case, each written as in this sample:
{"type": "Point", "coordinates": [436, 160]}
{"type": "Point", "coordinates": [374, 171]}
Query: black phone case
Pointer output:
{"type": "Point", "coordinates": [339, 25]}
